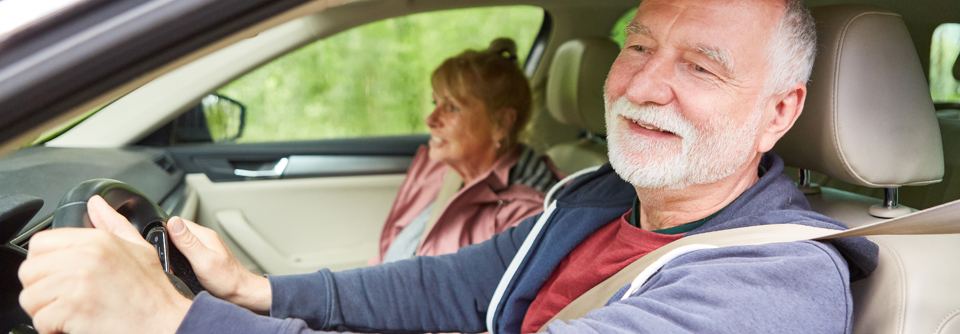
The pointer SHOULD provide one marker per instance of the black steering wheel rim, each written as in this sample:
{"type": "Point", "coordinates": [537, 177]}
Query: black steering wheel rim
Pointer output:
{"type": "Point", "coordinates": [143, 213]}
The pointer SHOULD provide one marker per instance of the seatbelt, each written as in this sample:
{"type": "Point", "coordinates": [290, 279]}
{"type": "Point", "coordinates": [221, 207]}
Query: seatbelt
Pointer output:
{"type": "Point", "coordinates": [549, 205]}
{"type": "Point", "coordinates": [942, 219]}
{"type": "Point", "coordinates": [451, 185]}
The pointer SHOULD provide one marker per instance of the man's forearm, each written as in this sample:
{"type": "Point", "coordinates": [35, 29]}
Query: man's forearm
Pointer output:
{"type": "Point", "coordinates": [209, 315]}
{"type": "Point", "coordinates": [447, 293]}
{"type": "Point", "coordinates": [426, 294]}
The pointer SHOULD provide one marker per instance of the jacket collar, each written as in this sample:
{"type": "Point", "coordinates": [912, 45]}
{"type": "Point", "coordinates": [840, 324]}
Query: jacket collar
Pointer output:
{"type": "Point", "coordinates": [498, 177]}
{"type": "Point", "coordinates": [774, 199]}
{"type": "Point", "coordinates": [484, 189]}
{"type": "Point", "coordinates": [605, 186]}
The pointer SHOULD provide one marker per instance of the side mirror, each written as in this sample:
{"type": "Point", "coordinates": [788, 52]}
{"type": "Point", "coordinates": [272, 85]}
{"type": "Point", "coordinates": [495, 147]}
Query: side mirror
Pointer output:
{"type": "Point", "coordinates": [215, 119]}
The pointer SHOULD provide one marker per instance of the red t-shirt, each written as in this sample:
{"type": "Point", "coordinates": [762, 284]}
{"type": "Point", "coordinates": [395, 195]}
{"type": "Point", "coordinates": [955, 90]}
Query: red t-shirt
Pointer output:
{"type": "Point", "coordinates": [601, 255]}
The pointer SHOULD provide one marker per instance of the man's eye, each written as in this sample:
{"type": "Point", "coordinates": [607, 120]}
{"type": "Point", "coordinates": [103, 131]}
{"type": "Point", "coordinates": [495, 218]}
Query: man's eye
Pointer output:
{"type": "Point", "coordinates": [454, 108]}
{"type": "Point", "coordinates": [699, 68]}
{"type": "Point", "coordinates": [639, 48]}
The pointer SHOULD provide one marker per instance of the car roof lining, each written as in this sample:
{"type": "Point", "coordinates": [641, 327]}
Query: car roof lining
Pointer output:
{"type": "Point", "coordinates": [48, 103]}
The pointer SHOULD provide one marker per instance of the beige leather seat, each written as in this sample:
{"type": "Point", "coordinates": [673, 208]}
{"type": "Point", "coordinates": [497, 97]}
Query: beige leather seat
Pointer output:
{"type": "Point", "coordinates": [575, 97]}
{"type": "Point", "coordinates": [869, 121]}
{"type": "Point", "coordinates": [922, 197]}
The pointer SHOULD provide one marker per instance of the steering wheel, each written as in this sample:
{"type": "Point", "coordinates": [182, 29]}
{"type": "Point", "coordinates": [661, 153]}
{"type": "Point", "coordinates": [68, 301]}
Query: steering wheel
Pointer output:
{"type": "Point", "coordinates": [145, 215]}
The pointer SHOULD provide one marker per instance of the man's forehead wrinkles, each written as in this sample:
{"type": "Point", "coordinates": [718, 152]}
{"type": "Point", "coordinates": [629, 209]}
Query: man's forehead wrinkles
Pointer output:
{"type": "Point", "coordinates": [715, 53]}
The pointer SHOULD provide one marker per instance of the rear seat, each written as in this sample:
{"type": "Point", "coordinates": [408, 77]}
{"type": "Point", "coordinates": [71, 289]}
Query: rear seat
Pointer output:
{"type": "Point", "coordinates": [575, 97]}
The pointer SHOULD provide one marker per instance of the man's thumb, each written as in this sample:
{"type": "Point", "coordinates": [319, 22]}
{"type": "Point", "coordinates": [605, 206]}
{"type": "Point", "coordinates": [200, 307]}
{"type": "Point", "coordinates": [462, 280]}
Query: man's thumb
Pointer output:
{"type": "Point", "coordinates": [186, 241]}
{"type": "Point", "coordinates": [104, 217]}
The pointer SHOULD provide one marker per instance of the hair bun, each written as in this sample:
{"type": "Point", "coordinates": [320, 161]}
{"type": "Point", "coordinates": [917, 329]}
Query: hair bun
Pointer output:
{"type": "Point", "coordinates": [504, 47]}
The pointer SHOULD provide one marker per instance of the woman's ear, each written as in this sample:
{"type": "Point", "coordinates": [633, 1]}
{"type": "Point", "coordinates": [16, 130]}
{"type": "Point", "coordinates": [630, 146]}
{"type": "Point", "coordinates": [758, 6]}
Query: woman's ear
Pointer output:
{"type": "Point", "coordinates": [504, 121]}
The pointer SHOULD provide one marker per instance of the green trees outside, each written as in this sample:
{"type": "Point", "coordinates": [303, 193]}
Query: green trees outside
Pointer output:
{"type": "Point", "coordinates": [618, 34]}
{"type": "Point", "coordinates": [943, 53]}
{"type": "Point", "coordinates": [372, 80]}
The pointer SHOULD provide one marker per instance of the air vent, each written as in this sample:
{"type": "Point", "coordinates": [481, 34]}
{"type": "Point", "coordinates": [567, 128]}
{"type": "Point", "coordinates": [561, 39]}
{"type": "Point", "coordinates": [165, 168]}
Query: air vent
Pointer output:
{"type": "Point", "coordinates": [166, 163]}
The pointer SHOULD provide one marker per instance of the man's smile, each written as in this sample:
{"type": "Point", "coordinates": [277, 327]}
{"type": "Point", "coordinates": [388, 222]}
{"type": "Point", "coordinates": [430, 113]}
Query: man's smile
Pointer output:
{"type": "Point", "coordinates": [647, 129]}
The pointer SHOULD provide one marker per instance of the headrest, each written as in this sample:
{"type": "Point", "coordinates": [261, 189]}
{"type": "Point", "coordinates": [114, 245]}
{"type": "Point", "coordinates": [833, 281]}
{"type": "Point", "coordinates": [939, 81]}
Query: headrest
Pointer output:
{"type": "Point", "coordinates": [575, 84]}
{"type": "Point", "coordinates": [869, 119]}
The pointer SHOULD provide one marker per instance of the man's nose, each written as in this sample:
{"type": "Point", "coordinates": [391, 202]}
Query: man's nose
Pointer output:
{"type": "Point", "coordinates": [653, 82]}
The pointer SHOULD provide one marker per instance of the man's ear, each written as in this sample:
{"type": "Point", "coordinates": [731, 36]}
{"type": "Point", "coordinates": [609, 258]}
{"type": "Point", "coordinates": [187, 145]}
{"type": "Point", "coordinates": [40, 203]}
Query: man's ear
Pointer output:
{"type": "Point", "coordinates": [787, 108]}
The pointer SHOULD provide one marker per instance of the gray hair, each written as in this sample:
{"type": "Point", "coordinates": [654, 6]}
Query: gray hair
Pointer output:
{"type": "Point", "coordinates": [792, 49]}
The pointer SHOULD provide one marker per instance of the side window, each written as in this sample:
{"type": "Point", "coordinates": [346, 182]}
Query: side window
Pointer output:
{"type": "Point", "coordinates": [373, 80]}
{"type": "Point", "coordinates": [943, 53]}
{"type": "Point", "coordinates": [617, 34]}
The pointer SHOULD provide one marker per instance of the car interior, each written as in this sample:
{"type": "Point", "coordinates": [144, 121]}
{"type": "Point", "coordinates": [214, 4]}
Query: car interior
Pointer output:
{"type": "Point", "coordinates": [870, 145]}
{"type": "Point", "coordinates": [869, 121]}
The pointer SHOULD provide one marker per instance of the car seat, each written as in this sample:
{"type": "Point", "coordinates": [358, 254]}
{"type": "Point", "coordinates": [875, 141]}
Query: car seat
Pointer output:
{"type": "Point", "coordinates": [919, 197]}
{"type": "Point", "coordinates": [575, 97]}
{"type": "Point", "coordinates": [922, 197]}
{"type": "Point", "coordinates": [869, 121]}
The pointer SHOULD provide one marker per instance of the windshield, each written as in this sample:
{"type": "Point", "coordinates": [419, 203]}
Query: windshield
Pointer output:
{"type": "Point", "coordinates": [17, 14]}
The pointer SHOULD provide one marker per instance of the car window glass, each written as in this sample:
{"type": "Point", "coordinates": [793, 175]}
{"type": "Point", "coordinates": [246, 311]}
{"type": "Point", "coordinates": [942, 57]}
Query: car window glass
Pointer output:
{"type": "Point", "coordinates": [617, 34]}
{"type": "Point", "coordinates": [943, 53]}
{"type": "Point", "coordinates": [373, 80]}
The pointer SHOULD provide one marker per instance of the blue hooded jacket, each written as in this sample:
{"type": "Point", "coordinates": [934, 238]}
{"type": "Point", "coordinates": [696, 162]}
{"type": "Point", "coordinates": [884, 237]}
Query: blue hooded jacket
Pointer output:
{"type": "Point", "coordinates": [800, 287]}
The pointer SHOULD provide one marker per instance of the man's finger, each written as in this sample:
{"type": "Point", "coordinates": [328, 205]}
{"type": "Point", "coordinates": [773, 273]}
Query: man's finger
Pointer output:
{"type": "Point", "coordinates": [105, 217]}
{"type": "Point", "coordinates": [36, 268]}
{"type": "Point", "coordinates": [62, 238]}
{"type": "Point", "coordinates": [63, 250]}
{"type": "Point", "coordinates": [50, 319]}
{"type": "Point", "coordinates": [185, 240]}
{"type": "Point", "coordinates": [38, 295]}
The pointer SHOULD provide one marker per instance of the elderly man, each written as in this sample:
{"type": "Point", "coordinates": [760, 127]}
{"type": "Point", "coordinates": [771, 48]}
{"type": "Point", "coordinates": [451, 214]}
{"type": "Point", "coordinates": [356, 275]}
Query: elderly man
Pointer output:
{"type": "Point", "coordinates": [698, 95]}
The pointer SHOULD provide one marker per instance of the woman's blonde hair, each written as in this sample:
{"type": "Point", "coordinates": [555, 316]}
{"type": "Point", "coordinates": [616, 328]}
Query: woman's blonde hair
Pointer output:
{"type": "Point", "coordinates": [492, 76]}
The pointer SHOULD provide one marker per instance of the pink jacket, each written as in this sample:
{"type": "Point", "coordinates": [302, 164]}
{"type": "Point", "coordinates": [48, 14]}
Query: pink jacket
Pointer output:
{"type": "Point", "coordinates": [486, 206]}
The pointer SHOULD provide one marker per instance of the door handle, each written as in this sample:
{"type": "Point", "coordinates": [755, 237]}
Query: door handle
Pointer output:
{"type": "Point", "coordinates": [274, 172]}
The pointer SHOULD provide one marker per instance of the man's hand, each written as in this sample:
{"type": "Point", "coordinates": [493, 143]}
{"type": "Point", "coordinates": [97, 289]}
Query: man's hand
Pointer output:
{"type": "Point", "coordinates": [103, 280]}
{"type": "Point", "coordinates": [217, 269]}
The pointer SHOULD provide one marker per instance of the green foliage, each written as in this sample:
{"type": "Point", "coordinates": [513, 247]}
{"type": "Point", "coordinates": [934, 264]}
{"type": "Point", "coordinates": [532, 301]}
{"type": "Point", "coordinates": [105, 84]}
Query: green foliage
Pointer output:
{"type": "Point", "coordinates": [943, 53]}
{"type": "Point", "coordinates": [372, 80]}
{"type": "Point", "coordinates": [618, 34]}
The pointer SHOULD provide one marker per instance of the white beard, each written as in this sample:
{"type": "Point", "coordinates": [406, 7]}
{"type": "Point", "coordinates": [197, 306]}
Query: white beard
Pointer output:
{"type": "Point", "coordinates": [704, 155]}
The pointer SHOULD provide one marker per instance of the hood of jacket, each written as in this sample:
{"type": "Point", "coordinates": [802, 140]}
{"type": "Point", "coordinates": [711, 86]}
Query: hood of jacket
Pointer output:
{"type": "Point", "coordinates": [594, 200]}
{"type": "Point", "coordinates": [774, 199]}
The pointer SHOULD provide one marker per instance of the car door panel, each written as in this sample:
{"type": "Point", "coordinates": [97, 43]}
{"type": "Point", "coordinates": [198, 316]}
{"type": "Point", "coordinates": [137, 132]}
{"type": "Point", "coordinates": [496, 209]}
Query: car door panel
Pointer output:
{"type": "Point", "coordinates": [318, 204]}
{"type": "Point", "coordinates": [299, 166]}
{"type": "Point", "coordinates": [299, 225]}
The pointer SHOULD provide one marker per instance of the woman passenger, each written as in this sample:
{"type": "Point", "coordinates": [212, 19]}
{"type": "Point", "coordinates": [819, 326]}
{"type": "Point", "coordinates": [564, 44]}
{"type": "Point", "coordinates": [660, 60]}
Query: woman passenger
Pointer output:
{"type": "Point", "coordinates": [475, 179]}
